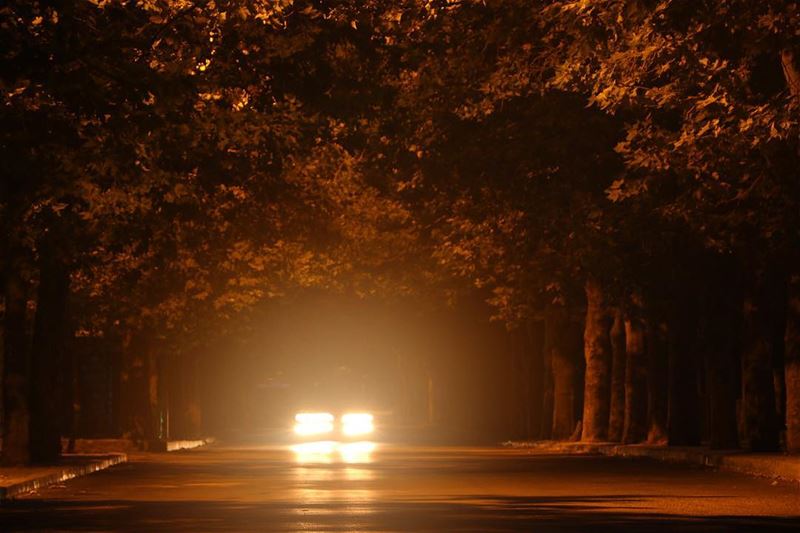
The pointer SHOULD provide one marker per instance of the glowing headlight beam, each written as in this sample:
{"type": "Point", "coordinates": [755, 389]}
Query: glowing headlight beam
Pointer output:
{"type": "Point", "coordinates": [357, 424]}
{"type": "Point", "coordinates": [313, 423]}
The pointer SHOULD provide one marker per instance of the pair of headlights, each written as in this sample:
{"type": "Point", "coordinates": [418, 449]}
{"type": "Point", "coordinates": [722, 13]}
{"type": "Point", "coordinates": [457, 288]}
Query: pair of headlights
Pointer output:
{"type": "Point", "coordinates": [352, 424]}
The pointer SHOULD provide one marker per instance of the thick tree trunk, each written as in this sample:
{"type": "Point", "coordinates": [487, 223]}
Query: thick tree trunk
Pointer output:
{"type": "Point", "coordinates": [518, 380]}
{"type": "Point", "coordinates": [432, 407]}
{"type": "Point", "coordinates": [16, 368]}
{"type": "Point", "coordinates": [657, 384]}
{"type": "Point", "coordinates": [535, 350]}
{"type": "Point", "coordinates": [47, 356]}
{"type": "Point", "coordinates": [635, 426]}
{"type": "Point", "coordinates": [159, 418]}
{"type": "Point", "coordinates": [565, 374]}
{"type": "Point", "coordinates": [71, 397]}
{"type": "Point", "coordinates": [548, 400]}
{"type": "Point", "coordinates": [759, 418]}
{"type": "Point", "coordinates": [597, 350]}
{"type": "Point", "coordinates": [683, 418]}
{"type": "Point", "coordinates": [616, 421]}
{"type": "Point", "coordinates": [791, 71]}
{"type": "Point", "coordinates": [777, 334]}
{"type": "Point", "coordinates": [792, 365]}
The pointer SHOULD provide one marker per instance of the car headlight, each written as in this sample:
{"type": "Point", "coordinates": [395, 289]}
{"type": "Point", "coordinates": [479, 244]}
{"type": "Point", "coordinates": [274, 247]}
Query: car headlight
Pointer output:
{"type": "Point", "coordinates": [313, 423]}
{"type": "Point", "coordinates": [357, 424]}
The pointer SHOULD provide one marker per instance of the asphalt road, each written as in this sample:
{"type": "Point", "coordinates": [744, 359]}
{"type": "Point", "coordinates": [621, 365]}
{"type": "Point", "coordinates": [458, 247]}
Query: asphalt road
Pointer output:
{"type": "Point", "coordinates": [399, 488]}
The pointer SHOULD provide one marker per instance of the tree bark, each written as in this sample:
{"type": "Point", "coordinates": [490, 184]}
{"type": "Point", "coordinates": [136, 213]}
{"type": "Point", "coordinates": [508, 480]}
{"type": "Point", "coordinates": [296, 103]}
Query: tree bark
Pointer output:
{"type": "Point", "coordinates": [778, 359]}
{"type": "Point", "coordinates": [616, 421]}
{"type": "Point", "coordinates": [47, 355]}
{"type": "Point", "coordinates": [635, 425]}
{"type": "Point", "coordinates": [16, 366]}
{"type": "Point", "coordinates": [548, 386]}
{"type": "Point", "coordinates": [518, 381]}
{"type": "Point", "coordinates": [597, 350]}
{"type": "Point", "coordinates": [535, 349]}
{"type": "Point", "coordinates": [791, 71]}
{"type": "Point", "coordinates": [759, 418]}
{"type": "Point", "coordinates": [792, 365]}
{"type": "Point", "coordinates": [159, 421]}
{"type": "Point", "coordinates": [565, 374]}
{"type": "Point", "coordinates": [657, 384]}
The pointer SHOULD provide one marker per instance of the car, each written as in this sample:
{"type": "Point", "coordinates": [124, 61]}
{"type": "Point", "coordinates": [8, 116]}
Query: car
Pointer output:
{"type": "Point", "coordinates": [321, 425]}
{"type": "Point", "coordinates": [321, 437]}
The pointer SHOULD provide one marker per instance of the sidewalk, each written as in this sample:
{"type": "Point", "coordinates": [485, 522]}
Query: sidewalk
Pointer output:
{"type": "Point", "coordinates": [19, 480]}
{"type": "Point", "coordinates": [100, 446]}
{"type": "Point", "coordinates": [769, 465]}
{"type": "Point", "coordinates": [90, 456]}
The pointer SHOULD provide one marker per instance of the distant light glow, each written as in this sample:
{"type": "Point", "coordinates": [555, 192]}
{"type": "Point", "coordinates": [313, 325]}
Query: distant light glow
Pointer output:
{"type": "Point", "coordinates": [357, 424]}
{"type": "Point", "coordinates": [313, 423]}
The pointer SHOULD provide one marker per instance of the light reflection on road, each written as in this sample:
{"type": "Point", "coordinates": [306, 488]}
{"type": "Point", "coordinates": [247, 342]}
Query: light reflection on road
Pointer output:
{"type": "Point", "coordinates": [319, 452]}
{"type": "Point", "coordinates": [357, 452]}
{"type": "Point", "coordinates": [328, 472]}
{"type": "Point", "coordinates": [327, 452]}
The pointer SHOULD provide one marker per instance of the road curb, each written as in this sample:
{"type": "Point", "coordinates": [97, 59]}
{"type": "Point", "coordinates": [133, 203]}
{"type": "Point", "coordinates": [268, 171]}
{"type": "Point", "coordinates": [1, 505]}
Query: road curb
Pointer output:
{"type": "Point", "coordinates": [768, 465]}
{"type": "Point", "coordinates": [65, 473]}
{"type": "Point", "coordinates": [176, 445]}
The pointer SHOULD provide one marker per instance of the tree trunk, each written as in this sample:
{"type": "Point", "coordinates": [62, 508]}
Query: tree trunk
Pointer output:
{"type": "Point", "coordinates": [47, 356]}
{"type": "Point", "coordinates": [759, 418]}
{"type": "Point", "coordinates": [657, 384]}
{"type": "Point", "coordinates": [564, 370]}
{"type": "Point", "coordinates": [548, 392]}
{"type": "Point", "coordinates": [791, 71]}
{"type": "Point", "coordinates": [635, 426]}
{"type": "Point", "coordinates": [518, 384]}
{"type": "Point", "coordinates": [138, 389]}
{"type": "Point", "coordinates": [683, 419]}
{"type": "Point", "coordinates": [777, 334]}
{"type": "Point", "coordinates": [432, 406]}
{"type": "Point", "coordinates": [159, 426]}
{"type": "Point", "coordinates": [71, 409]}
{"type": "Point", "coordinates": [792, 365]}
{"type": "Point", "coordinates": [597, 350]}
{"type": "Point", "coordinates": [616, 421]}
{"type": "Point", "coordinates": [16, 367]}
{"type": "Point", "coordinates": [535, 349]}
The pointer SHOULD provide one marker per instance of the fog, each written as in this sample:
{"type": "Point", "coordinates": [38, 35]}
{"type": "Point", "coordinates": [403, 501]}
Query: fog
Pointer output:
{"type": "Point", "coordinates": [434, 374]}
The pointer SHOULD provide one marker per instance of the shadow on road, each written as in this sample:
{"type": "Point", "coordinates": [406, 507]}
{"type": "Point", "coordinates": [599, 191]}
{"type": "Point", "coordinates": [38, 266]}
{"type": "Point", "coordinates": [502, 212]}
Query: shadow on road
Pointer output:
{"type": "Point", "coordinates": [487, 513]}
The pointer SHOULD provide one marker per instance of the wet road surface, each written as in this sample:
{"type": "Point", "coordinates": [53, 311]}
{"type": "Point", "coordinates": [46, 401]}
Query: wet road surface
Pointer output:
{"type": "Point", "coordinates": [401, 488]}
